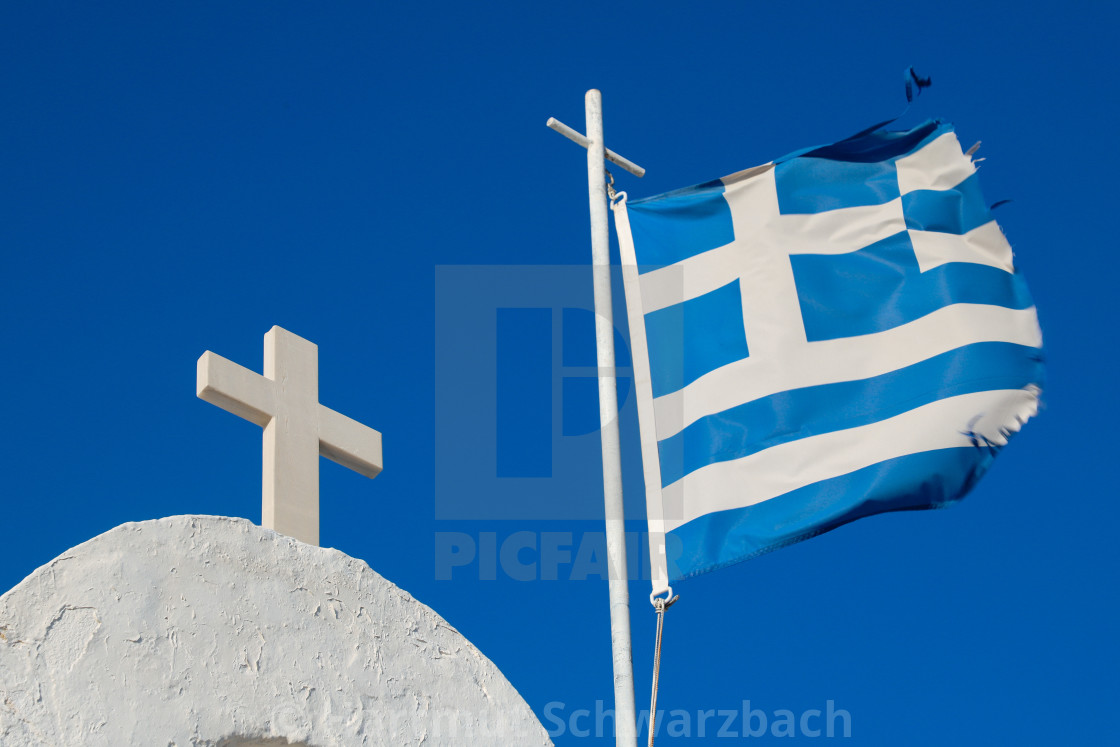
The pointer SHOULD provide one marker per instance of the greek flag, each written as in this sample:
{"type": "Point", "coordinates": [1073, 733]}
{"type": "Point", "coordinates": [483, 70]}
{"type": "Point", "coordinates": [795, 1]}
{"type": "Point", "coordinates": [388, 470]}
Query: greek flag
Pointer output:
{"type": "Point", "coordinates": [836, 334]}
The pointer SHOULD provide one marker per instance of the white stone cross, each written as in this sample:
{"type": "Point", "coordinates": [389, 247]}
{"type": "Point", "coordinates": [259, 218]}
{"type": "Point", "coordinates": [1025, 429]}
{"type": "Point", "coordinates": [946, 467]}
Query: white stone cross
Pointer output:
{"type": "Point", "coordinates": [297, 429]}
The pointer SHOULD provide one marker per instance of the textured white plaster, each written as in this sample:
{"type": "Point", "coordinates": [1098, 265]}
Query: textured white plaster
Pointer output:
{"type": "Point", "coordinates": [211, 631]}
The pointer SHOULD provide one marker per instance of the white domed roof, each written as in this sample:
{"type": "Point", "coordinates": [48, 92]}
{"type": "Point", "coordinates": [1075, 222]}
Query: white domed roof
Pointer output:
{"type": "Point", "coordinates": [207, 630]}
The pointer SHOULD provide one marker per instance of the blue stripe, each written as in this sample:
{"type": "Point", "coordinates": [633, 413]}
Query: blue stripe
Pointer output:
{"type": "Point", "coordinates": [957, 210]}
{"type": "Point", "coordinates": [881, 287]}
{"type": "Point", "coordinates": [810, 411]}
{"type": "Point", "coordinates": [814, 185]}
{"type": "Point", "coordinates": [928, 479]}
{"type": "Point", "coordinates": [679, 225]}
{"type": "Point", "coordinates": [690, 339]}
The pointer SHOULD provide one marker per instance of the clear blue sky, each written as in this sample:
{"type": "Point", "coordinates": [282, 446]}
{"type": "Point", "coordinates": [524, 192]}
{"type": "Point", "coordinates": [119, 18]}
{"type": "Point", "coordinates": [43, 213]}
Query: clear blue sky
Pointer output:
{"type": "Point", "coordinates": [181, 177]}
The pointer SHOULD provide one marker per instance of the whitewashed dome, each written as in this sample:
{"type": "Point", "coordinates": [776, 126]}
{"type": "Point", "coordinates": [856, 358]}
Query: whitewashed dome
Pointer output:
{"type": "Point", "coordinates": [210, 631]}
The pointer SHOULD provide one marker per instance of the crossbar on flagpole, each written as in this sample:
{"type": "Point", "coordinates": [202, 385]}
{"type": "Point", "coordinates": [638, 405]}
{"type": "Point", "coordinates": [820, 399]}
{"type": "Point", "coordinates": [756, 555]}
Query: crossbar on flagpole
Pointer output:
{"type": "Point", "coordinates": [625, 717]}
{"type": "Point", "coordinates": [579, 139]}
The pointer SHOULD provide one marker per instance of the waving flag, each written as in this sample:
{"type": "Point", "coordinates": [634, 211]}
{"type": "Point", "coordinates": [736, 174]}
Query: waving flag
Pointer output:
{"type": "Point", "coordinates": [836, 334]}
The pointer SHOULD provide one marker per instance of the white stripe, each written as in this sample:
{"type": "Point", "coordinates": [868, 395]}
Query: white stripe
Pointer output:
{"type": "Point", "coordinates": [984, 245]}
{"type": "Point", "coordinates": [673, 284]}
{"type": "Point", "coordinates": [643, 390]}
{"type": "Point", "coordinates": [840, 231]}
{"type": "Point", "coordinates": [939, 165]}
{"type": "Point", "coordinates": [804, 364]}
{"type": "Point", "coordinates": [787, 467]}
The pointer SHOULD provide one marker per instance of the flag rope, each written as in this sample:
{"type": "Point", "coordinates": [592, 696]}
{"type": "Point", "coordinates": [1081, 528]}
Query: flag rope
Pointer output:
{"type": "Point", "coordinates": [660, 605]}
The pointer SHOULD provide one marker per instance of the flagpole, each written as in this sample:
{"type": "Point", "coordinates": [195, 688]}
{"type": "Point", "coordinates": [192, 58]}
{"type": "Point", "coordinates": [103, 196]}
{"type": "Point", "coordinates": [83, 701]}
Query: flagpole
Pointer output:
{"type": "Point", "coordinates": [625, 721]}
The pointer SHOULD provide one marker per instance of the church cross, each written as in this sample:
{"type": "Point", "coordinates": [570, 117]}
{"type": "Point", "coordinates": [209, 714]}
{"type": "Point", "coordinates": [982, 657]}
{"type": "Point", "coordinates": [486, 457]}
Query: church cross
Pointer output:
{"type": "Point", "coordinates": [297, 429]}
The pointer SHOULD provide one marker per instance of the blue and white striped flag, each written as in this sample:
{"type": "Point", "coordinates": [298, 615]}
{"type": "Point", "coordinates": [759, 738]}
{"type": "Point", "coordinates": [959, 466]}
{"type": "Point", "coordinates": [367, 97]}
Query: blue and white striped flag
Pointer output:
{"type": "Point", "coordinates": [836, 334]}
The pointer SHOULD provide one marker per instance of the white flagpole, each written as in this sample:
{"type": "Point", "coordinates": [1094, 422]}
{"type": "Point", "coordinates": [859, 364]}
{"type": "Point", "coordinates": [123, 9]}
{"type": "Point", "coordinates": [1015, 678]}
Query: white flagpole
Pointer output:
{"type": "Point", "coordinates": [625, 717]}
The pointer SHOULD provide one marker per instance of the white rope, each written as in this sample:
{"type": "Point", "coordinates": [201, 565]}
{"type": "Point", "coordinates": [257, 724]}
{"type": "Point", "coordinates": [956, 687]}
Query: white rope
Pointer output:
{"type": "Point", "coordinates": [660, 604]}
